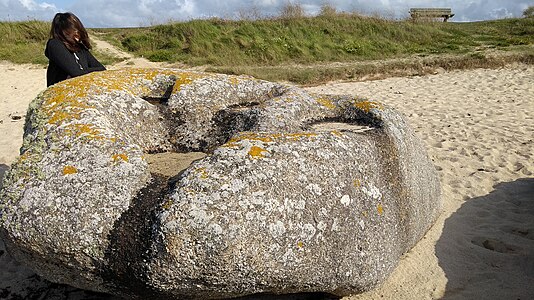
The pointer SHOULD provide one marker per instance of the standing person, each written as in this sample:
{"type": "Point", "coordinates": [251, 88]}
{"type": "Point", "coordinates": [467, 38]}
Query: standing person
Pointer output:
{"type": "Point", "coordinates": [68, 50]}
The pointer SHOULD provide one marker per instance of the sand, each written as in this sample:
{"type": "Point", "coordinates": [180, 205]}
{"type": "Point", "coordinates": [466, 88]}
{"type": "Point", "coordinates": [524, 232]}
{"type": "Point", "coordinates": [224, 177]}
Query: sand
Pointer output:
{"type": "Point", "coordinates": [478, 128]}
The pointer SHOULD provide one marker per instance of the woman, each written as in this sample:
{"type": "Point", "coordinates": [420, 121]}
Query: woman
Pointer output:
{"type": "Point", "coordinates": [68, 50]}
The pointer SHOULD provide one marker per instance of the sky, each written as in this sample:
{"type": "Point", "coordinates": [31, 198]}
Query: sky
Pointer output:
{"type": "Point", "coordinates": [135, 13]}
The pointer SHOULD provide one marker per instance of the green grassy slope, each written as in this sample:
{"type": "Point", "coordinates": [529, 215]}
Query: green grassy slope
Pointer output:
{"type": "Point", "coordinates": [343, 37]}
{"type": "Point", "coordinates": [333, 46]}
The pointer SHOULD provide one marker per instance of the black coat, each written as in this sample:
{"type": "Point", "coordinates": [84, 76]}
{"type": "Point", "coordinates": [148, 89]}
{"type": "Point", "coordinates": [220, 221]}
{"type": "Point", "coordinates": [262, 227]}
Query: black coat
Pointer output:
{"type": "Point", "coordinates": [64, 64]}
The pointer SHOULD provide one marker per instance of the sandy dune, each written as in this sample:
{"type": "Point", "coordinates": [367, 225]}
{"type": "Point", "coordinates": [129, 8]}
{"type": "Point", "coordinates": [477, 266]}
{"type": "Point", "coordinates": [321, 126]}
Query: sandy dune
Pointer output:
{"type": "Point", "coordinates": [478, 127]}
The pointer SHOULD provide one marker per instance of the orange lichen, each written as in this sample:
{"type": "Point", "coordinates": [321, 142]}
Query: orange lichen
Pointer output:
{"type": "Point", "coordinates": [190, 191]}
{"type": "Point", "coordinates": [298, 136]}
{"type": "Point", "coordinates": [288, 99]}
{"type": "Point", "coordinates": [58, 116]}
{"type": "Point", "coordinates": [230, 145]}
{"type": "Point", "coordinates": [85, 130]}
{"type": "Point", "coordinates": [120, 156]}
{"type": "Point", "coordinates": [256, 152]}
{"type": "Point", "coordinates": [69, 170]}
{"type": "Point", "coordinates": [380, 209]}
{"type": "Point", "coordinates": [233, 80]}
{"type": "Point", "coordinates": [66, 101]}
{"type": "Point", "coordinates": [25, 155]}
{"type": "Point", "coordinates": [185, 78]}
{"type": "Point", "coordinates": [326, 103]}
{"type": "Point", "coordinates": [254, 137]}
{"type": "Point", "coordinates": [267, 138]}
{"type": "Point", "coordinates": [167, 204]}
{"type": "Point", "coordinates": [233, 142]}
{"type": "Point", "coordinates": [63, 104]}
{"type": "Point", "coordinates": [336, 133]}
{"type": "Point", "coordinates": [366, 106]}
{"type": "Point", "coordinates": [202, 172]}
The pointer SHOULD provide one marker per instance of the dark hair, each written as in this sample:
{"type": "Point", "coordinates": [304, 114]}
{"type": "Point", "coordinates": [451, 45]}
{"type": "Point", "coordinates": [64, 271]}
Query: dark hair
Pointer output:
{"type": "Point", "coordinates": [65, 27]}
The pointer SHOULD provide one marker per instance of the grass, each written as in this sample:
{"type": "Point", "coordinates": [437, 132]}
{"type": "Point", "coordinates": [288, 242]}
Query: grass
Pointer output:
{"type": "Point", "coordinates": [24, 42]}
{"type": "Point", "coordinates": [304, 49]}
{"type": "Point", "coordinates": [304, 40]}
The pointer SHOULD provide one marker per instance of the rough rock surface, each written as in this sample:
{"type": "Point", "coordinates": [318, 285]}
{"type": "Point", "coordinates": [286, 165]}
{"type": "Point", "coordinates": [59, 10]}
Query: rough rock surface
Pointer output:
{"type": "Point", "coordinates": [293, 196]}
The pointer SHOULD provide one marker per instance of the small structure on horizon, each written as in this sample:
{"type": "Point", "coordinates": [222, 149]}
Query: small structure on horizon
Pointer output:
{"type": "Point", "coordinates": [431, 13]}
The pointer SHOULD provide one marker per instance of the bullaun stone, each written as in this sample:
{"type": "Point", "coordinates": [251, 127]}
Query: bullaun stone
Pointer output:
{"type": "Point", "coordinates": [294, 192]}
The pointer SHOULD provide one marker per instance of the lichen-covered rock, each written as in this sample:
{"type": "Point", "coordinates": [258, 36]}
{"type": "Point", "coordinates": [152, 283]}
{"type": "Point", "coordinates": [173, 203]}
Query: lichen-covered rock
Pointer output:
{"type": "Point", "coordinates": [298, 192]}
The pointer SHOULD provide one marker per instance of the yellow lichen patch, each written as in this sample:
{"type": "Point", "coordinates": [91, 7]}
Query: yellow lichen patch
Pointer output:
{"type": "Point", "coordinates": [232, 143]}
{"type": "Point", "coordinates": [202, 171]}
{"type": "Point", "coordinates": [190, 191]}
{"type": "Point", "coordinates": [24, 156]}
{"type": "Point", "coordinates": [66, 101]}
{"type": "Point", "coordinates": [83, 130]}
{"type": "Point", "coordinates": [298, 136]}
{"type": "Point", "coordinates": [256, 152]}
{"type": "Point", "coordinates": [69, 170]}
{"type": "Point", "coordinates": [356, 183]}
{"type": "Point", "coordinates": [267, 138]}
{"type": "Point", "coordinates": [63, 104]}
{"type": "Point", "coordinates": [366, 106]}
{"type": "Point", "coordinates": [59, 116]}
{"type": "Point", "coordinates": [300, 244]}
{"type": "Point", "coordinates": [185, 78]}
{"type": "Point", "coordinates": [380, 209]}
{"type": "Point", "coordinates": [326, 103]}
{"type": "Point", "coordinates": [120, 156]}
{"type": "Point", "coordinates": [364, 213]}
{"type": "Point", "coordinates": [233, 80]}
{"type": "Point", "coordinates": [336, 133]}
{"type": "Point", "coordinates": [167, 204]}
{"type": "Point", "coordinates": [133, 81]}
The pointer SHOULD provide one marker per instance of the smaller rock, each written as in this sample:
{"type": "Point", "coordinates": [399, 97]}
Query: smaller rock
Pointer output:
{"type": "Point", "coordinates": [15, 116]}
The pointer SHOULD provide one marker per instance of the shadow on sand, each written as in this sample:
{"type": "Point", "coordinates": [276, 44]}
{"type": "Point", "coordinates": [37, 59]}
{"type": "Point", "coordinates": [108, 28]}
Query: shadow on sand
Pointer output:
{"type": "Point", "coordinates": [487, 246]}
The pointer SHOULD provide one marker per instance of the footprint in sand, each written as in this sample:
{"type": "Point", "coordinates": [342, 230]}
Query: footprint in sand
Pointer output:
{"type": "Point", "coordinates": [494, 245]}
{"type": "Point", "coordinates": [522, 232]}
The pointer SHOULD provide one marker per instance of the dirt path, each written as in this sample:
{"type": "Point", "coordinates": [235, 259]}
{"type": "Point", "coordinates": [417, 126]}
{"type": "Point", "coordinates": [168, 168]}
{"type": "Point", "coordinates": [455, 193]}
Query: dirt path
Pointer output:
{"type": "Point", "coordinates": [129, 60]}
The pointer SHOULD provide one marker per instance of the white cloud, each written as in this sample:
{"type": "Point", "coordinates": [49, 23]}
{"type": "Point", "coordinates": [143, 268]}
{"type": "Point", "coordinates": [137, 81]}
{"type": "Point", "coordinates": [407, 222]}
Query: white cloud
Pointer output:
{"type": "Point", "coordinates": [126, 13]}
{"type": "Point", "coordinates": [500, 13]}
{"type": "Point", "coordinates": [28, 4]}
{"type": "Point", "coordinates": [13, 10]}
{"type": "Point", "coordinates": [45, 5]}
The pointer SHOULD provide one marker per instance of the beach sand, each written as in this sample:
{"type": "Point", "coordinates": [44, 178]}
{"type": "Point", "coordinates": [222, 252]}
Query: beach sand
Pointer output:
{"type": "Point", "coordinates": [478, 128]}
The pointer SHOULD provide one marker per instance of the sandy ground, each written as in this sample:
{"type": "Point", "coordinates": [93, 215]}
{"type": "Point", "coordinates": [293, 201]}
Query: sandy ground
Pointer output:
{"type": "Point", "coordinates": [478, 127]}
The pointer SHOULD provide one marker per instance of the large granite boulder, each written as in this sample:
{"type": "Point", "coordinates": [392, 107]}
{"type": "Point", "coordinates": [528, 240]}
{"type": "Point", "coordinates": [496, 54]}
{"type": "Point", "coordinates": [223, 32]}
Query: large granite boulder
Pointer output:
{"type": "Point", "coordinates": [297, 192]}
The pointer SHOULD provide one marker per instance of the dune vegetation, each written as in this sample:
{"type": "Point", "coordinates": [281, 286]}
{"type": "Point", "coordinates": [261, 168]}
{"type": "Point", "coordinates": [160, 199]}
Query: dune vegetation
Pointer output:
{"type": "Point", "coordinates": [24, 42]}
{"type": "Point", "coordinates": [300, 48]}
